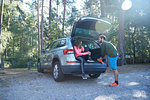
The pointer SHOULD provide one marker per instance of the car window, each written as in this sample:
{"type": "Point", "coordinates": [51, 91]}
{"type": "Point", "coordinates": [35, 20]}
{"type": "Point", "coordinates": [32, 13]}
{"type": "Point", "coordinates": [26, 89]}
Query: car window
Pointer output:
{"type": "Point", "coordinates": [57, 44]}
{"type": "Point", "coordinates": [93, 45]}
{"type": "Point", "coordinates": [61, 43]}
{"type": "Point", "coordinates": [49, 46]}
{"type": "Point", "coordinates": [90, 45]}
{"type": "Point", "coordinates": [54, 45]}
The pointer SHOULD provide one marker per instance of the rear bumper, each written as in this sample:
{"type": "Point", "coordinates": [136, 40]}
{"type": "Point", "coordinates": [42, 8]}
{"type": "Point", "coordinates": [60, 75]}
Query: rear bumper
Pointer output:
{"type": "Point", "coordinates": [89, 69]}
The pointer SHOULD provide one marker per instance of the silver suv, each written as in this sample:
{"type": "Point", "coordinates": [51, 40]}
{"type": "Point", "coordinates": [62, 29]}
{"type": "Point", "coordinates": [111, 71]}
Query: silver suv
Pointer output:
{"type": "Point", "coordinates": [59, 55]}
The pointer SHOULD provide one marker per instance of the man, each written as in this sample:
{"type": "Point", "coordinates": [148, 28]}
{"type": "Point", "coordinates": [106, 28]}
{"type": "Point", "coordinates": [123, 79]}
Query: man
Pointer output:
{"type": "Point", "coordinates": [109, 50]}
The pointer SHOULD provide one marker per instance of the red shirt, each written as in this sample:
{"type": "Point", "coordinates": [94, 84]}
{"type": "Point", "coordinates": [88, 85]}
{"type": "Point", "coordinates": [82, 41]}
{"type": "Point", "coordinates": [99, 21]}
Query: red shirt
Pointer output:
{"type": "Point", "coordinates": [78, 51]}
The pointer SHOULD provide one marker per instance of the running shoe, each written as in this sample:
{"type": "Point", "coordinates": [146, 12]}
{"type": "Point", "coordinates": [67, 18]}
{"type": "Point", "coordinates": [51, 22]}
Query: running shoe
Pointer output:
{"type": "Point", "coordinates": [114, 84]}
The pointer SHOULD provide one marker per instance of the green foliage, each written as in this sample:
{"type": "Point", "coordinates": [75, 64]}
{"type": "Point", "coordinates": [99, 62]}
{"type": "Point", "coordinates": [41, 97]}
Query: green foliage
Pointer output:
{"type": "Point", "coordinates": [74, 15]}
{"type": "Point", "coordinates": [20, 39]}
{"type": "Point", "coordinates": [113, 34]}
{"type": "Point", "coordinates": [92, 8]}
{"type": "Point", "coordinates": [137, 29]}
{"type": "Point", "coordinates": [6, 37]}
{"type": "Point", "coordinates": [53, 34]}
{"type": "Point", "coordinates": [137, 45]}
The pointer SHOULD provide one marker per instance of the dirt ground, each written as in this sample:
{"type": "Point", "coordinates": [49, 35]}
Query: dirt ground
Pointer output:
{"type": "Point", "coordinates": [26, 75]}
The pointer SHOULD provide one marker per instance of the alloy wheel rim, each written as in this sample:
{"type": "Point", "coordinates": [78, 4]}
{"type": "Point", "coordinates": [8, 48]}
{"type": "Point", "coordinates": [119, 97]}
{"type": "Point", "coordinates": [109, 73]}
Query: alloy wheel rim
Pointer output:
{"type": "Point", "coordinates": [55, 73]}
{"type": "Point", "coordinates": [93, 74]}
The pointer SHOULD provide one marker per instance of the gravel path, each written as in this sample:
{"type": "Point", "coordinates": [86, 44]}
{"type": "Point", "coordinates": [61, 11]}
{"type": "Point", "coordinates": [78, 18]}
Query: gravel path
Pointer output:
{"type": "Point", "coordinates": [133, 86]}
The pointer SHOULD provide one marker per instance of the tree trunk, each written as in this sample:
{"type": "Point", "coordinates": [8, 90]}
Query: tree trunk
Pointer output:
{"type": "Point", "coordinates": [50, 14]}
{"type": "Point", "coordinates": [42, 25]}
{"type": "Point", "coordinates": [13, 46]}
{"type": "Point", "coordinates": [57, 13]}
{"type": "Point", "coordinates": [8, 26]}
{"type": "Point", "coordinates": [1, 19]}
{"type": "Point", "coordinates": [9, 14]}
{"type": "Point", "coordinates": [102, 4]}
{"type": "Point", "coordinates": [121, 37]}
{"type": "Point", "coordinates": [5, 52]}
{"type": "Point", "coordinates": [133, 44]}
{"type": "Point", "coordinates": [64, 17]}
{"type": "Point", "coordinates": [39, 37]}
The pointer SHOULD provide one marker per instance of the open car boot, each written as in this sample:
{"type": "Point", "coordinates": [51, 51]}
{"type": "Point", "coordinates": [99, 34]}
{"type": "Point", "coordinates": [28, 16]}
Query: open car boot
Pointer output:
{"type": "Point", "coordinates": [94, 49]}
{"type": "Point", "coordinates": [96, 54]}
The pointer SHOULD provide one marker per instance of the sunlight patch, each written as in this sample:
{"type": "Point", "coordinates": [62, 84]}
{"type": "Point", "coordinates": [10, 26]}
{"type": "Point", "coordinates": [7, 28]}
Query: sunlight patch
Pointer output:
{"type": "Point", "coordinates": [133, 83]}
{"type": "Point", "coordinates": [110, 97]}
{"type": "Point", "coordinates": [139, 94]}
{"type": "Point", "coordinates": [102, 83]}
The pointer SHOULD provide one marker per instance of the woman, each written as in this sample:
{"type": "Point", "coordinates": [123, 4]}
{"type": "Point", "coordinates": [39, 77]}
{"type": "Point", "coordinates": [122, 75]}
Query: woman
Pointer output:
{"type": "Point", "coordinates": [79, 55]}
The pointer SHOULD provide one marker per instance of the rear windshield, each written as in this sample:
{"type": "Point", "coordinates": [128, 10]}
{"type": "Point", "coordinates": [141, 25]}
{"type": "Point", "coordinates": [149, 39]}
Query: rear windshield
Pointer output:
{"type": "Point", "coordinates": [89, 45]}
{"type": "Point", "coordinates": [86, 32]}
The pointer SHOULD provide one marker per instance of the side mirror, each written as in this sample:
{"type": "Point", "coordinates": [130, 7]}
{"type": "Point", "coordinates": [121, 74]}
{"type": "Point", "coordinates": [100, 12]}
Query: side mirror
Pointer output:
{"type": "Point", "coordinates": [42, 50]}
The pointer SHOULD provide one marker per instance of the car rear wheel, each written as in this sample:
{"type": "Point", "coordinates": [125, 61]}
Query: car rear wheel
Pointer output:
{"type": "Point", "coordinates": [94, 75]}
{"type": "Point", "coordinates": [39, 69]}
{"type": "Point", "coordinates": [57, 72]}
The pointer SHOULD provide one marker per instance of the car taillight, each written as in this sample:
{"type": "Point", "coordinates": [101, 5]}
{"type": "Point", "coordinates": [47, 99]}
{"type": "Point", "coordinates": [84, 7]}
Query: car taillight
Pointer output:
{"type": "Point", "coordinates": [71, 61]}
{"type": "Point", "coordinates": [68, 51]}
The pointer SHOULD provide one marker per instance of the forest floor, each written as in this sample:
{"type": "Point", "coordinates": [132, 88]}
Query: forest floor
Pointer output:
{"type": "Point", "coordinates": [20, 83]}
{"type": "Point", "coordinates": [23, 74]}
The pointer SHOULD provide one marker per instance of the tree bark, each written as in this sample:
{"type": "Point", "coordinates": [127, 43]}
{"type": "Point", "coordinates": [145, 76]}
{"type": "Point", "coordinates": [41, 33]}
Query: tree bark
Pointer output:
{"type": "Point", "coordinates": [64, 17]}
{"type": "Point", "coordinates": [5, 52]}
{"type": "Point", "coordinates": [9, 14]}
{"type": "Point", "coordinates": [57, 13]}
{"type": "Point", "coordinates": [39, 37]}
{"type": "Point", "coordinates": [102, 4]}
{"type": "Point", "coordinates": [133, 44]}
{"type": "Point", "coordinates": [42, 25]}
{"type": "Point", "coordinates": [121, 37]}
{"type": "Point", "coordinates": [50, 14]}
{"type": "Point", "coordinates": [1, 19]}
{"type": "Point", "coordinates": [13, 46]}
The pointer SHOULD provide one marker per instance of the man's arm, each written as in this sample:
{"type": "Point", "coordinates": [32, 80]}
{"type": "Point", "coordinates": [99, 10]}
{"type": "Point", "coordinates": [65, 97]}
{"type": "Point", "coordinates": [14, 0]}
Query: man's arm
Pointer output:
{"type": "Point", "coordinates": [103, 50]}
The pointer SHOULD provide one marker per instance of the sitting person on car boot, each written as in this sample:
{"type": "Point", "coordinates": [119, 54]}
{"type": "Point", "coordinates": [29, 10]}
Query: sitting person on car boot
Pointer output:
{"type": "Point", "coordinates": [79, 53]}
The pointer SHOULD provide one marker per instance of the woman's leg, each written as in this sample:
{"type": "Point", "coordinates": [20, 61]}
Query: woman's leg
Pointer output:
{"type": "Point", "coordinates": [82, 66]}
{"type": "Point", "coordinates": [81, 63]}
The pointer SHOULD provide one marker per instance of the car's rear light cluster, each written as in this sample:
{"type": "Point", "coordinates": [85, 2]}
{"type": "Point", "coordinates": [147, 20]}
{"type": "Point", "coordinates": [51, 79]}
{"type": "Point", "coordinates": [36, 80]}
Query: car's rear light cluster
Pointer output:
{"type": "Point", "coordinates": [68, 51]}
{"type": "Point", "coordinates": [71, 61]}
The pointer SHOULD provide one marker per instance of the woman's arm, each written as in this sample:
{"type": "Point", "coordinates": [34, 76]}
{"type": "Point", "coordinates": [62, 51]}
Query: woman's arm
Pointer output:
{"type": "Point", "coordinates": [82, 48]}
{"type": "Point", "coordinates": [79, 53]}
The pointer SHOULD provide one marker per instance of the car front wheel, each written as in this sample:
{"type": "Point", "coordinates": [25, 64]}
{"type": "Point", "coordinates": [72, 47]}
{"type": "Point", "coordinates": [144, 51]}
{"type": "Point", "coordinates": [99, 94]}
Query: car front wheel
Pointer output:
{"type": "Point", "coordinates": [57, 72]}
{"type": "Point", "coordinates": [94, 75]}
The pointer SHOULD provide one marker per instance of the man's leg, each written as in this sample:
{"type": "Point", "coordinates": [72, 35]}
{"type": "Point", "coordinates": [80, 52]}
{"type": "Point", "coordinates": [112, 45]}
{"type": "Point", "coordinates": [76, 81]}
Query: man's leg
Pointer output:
{"type": "Point", "coordinates": [116, 78]}
{"type": "Point", "coordinates": [115, 74]}
{"type": "Point", "coordinates": [113, 65]}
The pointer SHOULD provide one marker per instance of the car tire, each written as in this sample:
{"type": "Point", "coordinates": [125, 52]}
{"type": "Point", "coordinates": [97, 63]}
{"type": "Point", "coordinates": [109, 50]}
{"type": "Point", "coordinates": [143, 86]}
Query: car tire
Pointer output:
{"type": "Point", "coordinates": [39, 69]}
{"type": "Point", "coordinates": [57, 72]}
{"type": "Point", "coordinates": [94, 75]}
